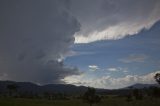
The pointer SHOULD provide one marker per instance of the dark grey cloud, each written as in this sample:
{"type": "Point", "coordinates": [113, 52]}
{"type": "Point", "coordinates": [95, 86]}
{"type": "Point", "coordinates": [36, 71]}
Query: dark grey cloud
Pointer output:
{"type": "Point", "coordinates": [34, 36]}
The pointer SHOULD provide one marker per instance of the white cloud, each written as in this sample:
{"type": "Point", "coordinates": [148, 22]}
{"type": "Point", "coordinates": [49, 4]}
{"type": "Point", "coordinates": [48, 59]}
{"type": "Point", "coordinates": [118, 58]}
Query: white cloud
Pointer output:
{"type": "Point", "coordinates": [113, 69]}
{"type": "Point", "coordinates": [134, 58]}
{"type": "Point", "coordinates": [109, 82]}
{"type": "Point", "coordinates": [113, 19]}
{"type": "Point", "coordinates": [117, 69]}
{"type": "Point", "coordinates": [125, 71]}
{"type": "Point", "coordinates": [93, 67]}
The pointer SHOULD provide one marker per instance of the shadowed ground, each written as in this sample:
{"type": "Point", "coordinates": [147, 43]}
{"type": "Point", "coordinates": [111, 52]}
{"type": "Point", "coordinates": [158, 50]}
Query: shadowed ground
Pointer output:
{"type": "Point", "coordinates": [75, 102]}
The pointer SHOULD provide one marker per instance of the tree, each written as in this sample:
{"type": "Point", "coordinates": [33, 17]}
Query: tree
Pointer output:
{"type": "Point", "coordinates": [137, 94]}
{"type": "Point", "coordinates": [129, 98]}
{"type": "Point", "coordinates": [156, 90]}
{"type": "Point", "coordinates": [157, 77]}
{"type": "Point", "coordinates": [12, 88]}
{"type": "Point", "coordinates": [91, 97]}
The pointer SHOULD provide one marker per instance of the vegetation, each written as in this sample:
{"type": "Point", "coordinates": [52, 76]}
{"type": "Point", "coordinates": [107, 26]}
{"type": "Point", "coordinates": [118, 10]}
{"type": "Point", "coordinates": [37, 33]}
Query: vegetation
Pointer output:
{"type": "Point", "coordinates": [138, 94]}
{"type": "Point", "coordinates": [91, 97]}
{"type": "Point", "coordinates": [110, 101]}
{"type": "Point", "coordinates": [13, 96]}
{"type": "Point", "coordinates": [12, 89]}
{"type": "Point", "coordinates": [157, 77]}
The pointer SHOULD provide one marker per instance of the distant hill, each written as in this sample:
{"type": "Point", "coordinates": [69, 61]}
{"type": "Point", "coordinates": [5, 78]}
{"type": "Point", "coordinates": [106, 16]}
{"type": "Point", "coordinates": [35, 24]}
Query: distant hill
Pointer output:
{"type": "Point", "coordinates": [141, 86]}
{"type": "Point", "coordinates": [34, 88]}
{"type": "Point", "coordinates": [28, 87]}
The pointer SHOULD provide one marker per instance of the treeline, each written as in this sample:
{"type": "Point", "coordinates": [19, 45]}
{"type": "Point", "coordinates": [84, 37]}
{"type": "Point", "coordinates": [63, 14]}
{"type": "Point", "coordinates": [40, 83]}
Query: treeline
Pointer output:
{"type": "Point", "coordinates": [151, 92]}
{"type": "Point", "coordinates": [139, 94]}
{"type": "Point", "coordinates": [90, 95]}
{"type": "Point", "coordinates": [12, 90]}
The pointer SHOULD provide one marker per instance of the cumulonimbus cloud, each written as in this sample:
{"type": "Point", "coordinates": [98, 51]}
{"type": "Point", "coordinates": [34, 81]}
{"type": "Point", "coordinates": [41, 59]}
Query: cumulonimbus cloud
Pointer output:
{"type": "Point", "coordinates": [109, 82]}
{"type": "Point", "coordinates": [35, 35]}
{"type": "Point", "coordinates": [113, 19]}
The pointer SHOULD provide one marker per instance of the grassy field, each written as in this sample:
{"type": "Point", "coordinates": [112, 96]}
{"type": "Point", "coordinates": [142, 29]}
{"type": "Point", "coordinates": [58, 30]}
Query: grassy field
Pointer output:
{"type": "Point", "coordinates": [104, 102]}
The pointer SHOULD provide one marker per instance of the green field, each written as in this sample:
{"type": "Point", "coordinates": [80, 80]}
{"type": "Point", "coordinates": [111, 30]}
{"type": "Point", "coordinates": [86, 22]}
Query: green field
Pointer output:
{"type": "Point", "coordinates": [76, 102]}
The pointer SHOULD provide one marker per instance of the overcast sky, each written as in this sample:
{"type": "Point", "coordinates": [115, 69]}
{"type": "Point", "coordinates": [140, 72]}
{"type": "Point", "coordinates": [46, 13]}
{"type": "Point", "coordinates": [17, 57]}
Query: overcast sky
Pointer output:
{"type": "Point", "coordinates": [100, 43]}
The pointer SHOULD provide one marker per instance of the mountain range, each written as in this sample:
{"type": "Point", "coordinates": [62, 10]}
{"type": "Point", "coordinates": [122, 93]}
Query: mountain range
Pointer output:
{"type": "Point", "coordinates": [63, 88]}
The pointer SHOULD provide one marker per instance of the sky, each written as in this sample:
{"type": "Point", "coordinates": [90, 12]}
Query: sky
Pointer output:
{"type": "Point", "coordinates": [107, 44]}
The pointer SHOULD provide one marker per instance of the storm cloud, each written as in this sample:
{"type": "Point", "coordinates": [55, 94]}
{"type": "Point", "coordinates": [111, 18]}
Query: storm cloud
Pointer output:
{"type": "Point", "coordinates": [35, 36]}
{"type": "Point", "coordinates": [113, 19]}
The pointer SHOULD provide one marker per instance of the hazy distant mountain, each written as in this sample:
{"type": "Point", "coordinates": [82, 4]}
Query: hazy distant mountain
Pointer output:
{"type": "Point", "coordinates": [63, 88]}
{"type": "Point", "coordinates": [141, 86]}
{"type": "Point", "coordinates": [34, 88]}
